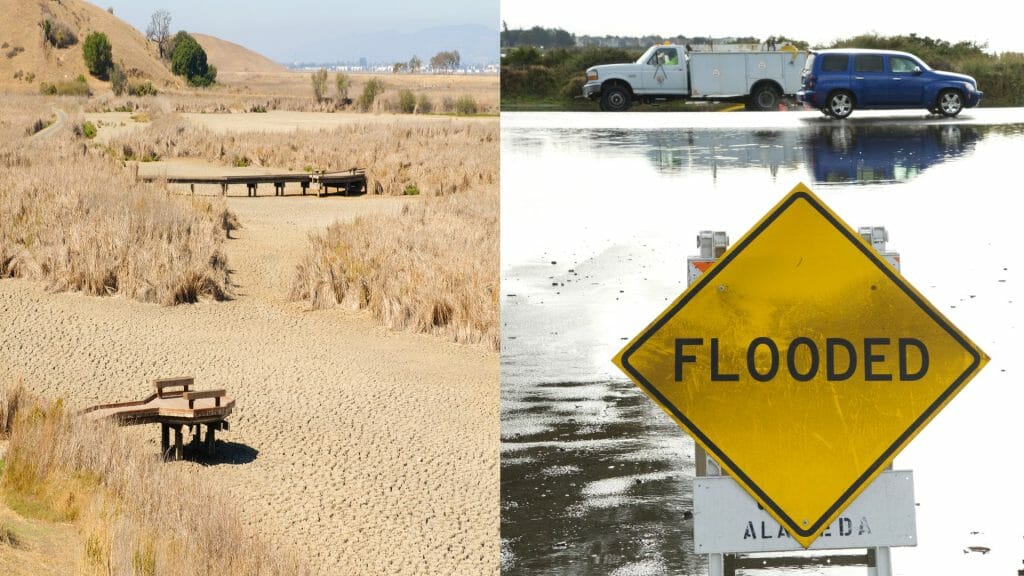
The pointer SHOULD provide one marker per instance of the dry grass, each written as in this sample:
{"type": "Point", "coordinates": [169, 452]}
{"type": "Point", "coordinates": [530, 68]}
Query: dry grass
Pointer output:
{"type": "Point", "coordinates": [137, 515]}
{"type": "Point", "coordinates": [293, 91]}
{"type": "Point", "coordinates": [431, 269]}
{"type": "Point", "coordinates": [437, 156]}
{"type": "Point", "coordinates": [77, 222]}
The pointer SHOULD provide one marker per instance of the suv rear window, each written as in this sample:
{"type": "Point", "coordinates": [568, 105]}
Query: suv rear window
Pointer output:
{"type": "Point", "coordinates": [834, 62]}
{"type": "Point", "coordinates": [868, 63]}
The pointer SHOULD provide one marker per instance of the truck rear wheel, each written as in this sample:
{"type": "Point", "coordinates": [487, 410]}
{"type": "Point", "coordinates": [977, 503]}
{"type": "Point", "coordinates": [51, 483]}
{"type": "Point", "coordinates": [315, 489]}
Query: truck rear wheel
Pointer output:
{"type": "Point", "coordinates": [615, 99]}
{"type": "Point", "coordinates": [764, 98]}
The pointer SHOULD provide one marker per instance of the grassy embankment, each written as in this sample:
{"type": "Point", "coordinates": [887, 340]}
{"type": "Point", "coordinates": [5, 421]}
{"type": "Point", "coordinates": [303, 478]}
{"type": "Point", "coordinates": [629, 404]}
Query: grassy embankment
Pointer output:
{"type": "Point", "coordinates": [133, 514]}
{"type": "Point", "coordinates": [552, 80]}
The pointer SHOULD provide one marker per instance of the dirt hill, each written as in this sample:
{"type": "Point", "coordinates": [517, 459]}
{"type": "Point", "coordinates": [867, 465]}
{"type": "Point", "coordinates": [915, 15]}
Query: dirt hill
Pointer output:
{"type": "Point", "coordinates": [26, 58]}
{"type": "Point", "coordinates": [230, 58]}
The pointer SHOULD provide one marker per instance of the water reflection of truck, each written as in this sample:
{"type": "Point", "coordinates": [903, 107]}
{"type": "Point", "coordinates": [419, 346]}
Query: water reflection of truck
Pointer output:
{"type": "Point", "coordinates": [671, 72]}
{"type": "Point", "coordinates": [714, 150]}
{"type": "Point", "coordinates": [880, 154]}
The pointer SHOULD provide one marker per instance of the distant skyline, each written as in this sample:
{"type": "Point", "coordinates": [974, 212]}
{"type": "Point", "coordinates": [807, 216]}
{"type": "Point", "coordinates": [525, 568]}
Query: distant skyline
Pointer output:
{"type": "Point", "coordinates": [983, 21]}
{"type": "Point", "coordinates": [312, 31]}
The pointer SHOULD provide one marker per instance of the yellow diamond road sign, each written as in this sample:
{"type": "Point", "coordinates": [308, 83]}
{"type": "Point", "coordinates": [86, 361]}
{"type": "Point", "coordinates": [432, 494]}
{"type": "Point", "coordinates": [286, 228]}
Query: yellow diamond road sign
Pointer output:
{"type": "Point", "coordinates": [802, 362]}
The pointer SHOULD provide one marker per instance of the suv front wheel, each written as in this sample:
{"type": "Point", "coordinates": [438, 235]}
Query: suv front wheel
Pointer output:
{"type": "Point", "coordinates": [839, 104]}
{"type": "Point", "coordinates": [950, 103]}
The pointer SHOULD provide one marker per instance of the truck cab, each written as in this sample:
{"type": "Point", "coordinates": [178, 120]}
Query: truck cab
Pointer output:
{"type": "Point", "coordinates": [661, 70]}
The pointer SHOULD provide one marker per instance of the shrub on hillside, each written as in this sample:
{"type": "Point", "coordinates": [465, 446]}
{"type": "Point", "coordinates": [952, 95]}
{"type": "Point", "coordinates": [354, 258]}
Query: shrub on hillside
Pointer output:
{"type": "Point", "coordinates": [76, 87]}
{"type": "Point", "coordinates": [141, 88]}
{"type": "Point", "coordinates": [118, 80]}
{"type": "Point", "coordinates": [58, 34]}
{"type": "Point", "coordinates": [188, 60]}
{"type": "Point", "coordinates": [97, 53]}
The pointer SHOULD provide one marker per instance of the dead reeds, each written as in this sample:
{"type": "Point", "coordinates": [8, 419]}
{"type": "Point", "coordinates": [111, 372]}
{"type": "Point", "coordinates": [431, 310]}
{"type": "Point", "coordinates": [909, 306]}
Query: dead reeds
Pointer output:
{"type": "Point", "coordinates": [437, 156]}
{"type": "Point", "coordinates": [433, 268]}
{"type": "Point", "coordinates": [78, 222]}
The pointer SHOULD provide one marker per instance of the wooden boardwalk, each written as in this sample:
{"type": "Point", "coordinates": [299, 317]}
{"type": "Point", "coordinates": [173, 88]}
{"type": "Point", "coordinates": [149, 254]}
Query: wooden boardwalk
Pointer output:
{"type": "Point", "coordinates": [350, 182]}
{"type": "Point", "coordinates": [173, 409]}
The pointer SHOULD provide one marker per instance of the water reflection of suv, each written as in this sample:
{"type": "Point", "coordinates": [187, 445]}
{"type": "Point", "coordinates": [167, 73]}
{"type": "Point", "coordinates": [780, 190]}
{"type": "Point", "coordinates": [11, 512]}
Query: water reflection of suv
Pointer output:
{"type": "Point", "coordinates": [874, 153]}
{"type": "Point", "coordinates": [839, 80]}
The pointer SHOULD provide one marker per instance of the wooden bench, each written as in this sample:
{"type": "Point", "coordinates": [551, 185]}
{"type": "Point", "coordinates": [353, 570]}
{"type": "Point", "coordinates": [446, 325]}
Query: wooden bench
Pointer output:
{"type": "Point", "coordinates": [197, 394]}
{"type": "Point", "coordinates": [183, 382]}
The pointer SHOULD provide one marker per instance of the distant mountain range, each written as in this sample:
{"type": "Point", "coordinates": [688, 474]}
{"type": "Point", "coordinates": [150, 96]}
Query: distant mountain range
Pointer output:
{"type": "Point", "coordinates": [477, 45]}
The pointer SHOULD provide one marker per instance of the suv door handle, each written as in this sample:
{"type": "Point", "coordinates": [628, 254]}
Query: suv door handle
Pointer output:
{"type": "Point", "coordinates": [897, 78]}
{"type": "Point", "coordinates": [858, 77]}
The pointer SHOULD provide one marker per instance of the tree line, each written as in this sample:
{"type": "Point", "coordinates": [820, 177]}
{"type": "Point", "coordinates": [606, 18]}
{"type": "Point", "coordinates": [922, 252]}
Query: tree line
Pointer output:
{"type": "Point", "coordinates": [530, 73]}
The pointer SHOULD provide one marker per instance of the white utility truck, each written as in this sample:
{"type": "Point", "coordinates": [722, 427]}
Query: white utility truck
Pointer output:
{"type": "Point", "coordinates": [671, 72]}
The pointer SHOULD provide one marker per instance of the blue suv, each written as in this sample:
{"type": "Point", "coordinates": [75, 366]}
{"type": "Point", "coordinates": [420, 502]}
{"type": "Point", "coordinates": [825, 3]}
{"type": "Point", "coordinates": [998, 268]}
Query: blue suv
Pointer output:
{"type": "Point", "coordinates": [837, 81]}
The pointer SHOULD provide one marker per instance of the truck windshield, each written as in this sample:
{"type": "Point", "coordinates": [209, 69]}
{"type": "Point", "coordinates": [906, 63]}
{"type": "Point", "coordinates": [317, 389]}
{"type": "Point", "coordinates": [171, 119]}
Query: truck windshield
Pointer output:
{"type": "Point", "coordinates": [647, 55]}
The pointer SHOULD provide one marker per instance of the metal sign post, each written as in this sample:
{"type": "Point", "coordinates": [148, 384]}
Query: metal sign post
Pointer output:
{"type": "Point", "coordinates": [729, 525]}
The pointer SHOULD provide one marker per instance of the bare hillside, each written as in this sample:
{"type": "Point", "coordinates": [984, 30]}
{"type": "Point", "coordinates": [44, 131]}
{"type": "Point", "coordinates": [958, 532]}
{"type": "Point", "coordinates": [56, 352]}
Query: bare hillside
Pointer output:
{"type": "Point", "coordinates": [233, 59]}
{"type": "Point", "coordinates": [26, 58]}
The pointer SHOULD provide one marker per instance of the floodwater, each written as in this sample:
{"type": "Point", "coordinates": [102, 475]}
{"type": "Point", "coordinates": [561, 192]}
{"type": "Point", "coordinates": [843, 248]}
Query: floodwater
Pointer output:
{"type": "Point", "coordinates": [598, 215]}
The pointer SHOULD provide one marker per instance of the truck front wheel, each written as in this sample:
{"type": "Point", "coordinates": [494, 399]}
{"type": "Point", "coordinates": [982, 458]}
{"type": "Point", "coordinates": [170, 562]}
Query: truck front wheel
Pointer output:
{"type": "Point", "coordinates": [615, 99]}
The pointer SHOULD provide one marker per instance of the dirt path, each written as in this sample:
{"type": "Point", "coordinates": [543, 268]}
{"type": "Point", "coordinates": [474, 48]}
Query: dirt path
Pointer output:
{"type": "Point", "coordinates": [368, 451]}
{"type": "Point", "coordinates": [52, 129]}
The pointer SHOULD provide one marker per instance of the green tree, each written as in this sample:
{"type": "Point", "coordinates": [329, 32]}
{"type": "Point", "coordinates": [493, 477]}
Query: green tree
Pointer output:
{"type": "Point", "coordinates": [319, 79]}
{"type": "Point", "coordinates": [453, 59]}
{"type": "Point", "coordinates": [415, 64]}
{"type": "Point", "coordinates": [342, 83]}
{"type": "Point", "coordinates": [445, 60]}
{"type": "Point", "coordinates": [372, 89]}
{"type": "Point", "coordinates": [98, 54]}
{"type": "Point", "coordinates": [189, 61]}
{"type": "Point", "coordinates": [397, 67]}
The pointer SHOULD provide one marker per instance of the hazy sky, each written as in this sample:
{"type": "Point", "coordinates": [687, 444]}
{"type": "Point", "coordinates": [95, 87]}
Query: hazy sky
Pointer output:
{"type": "Point", "coordinates": [816, 22]}
{"type": "Point", "coordinates": [304, 29]}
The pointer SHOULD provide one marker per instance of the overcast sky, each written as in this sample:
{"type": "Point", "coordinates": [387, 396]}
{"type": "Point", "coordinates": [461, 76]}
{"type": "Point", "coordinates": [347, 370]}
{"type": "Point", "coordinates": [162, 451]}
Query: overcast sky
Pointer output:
{"type": "Point", "coordinates": [815, 22]}
{"type": "Point", "coordinates": [306, 30]}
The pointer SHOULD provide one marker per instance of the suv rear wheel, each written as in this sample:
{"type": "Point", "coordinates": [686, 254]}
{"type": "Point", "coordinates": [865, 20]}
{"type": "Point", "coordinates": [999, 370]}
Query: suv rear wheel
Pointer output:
{"type": "Point", "coordinates": [950, 102]}
{"type": "Point", "coordinates": [839, 104]}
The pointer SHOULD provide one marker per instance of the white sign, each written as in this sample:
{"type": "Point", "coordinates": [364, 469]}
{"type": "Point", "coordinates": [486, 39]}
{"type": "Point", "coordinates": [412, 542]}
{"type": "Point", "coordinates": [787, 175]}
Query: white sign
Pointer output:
{"type": "Point", "coordinates": [727, 520]}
